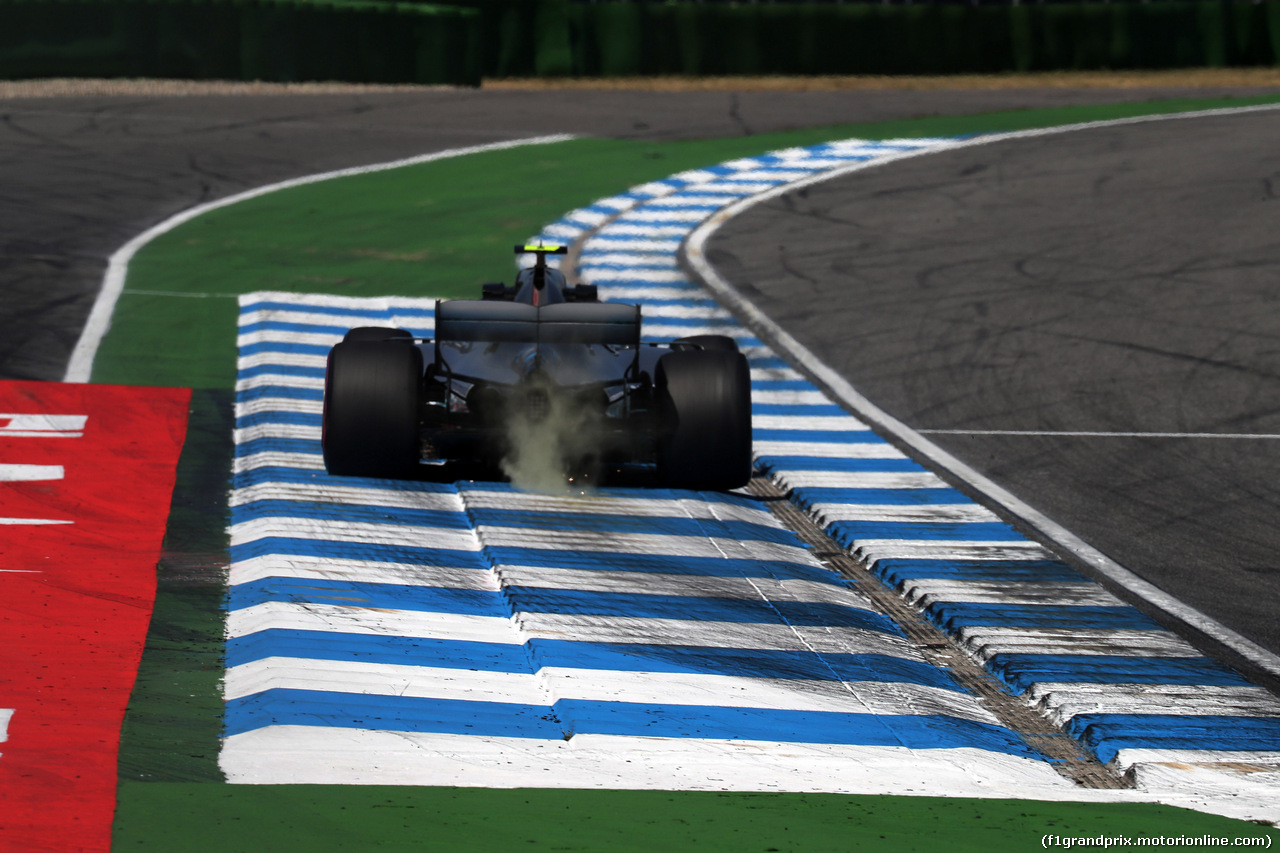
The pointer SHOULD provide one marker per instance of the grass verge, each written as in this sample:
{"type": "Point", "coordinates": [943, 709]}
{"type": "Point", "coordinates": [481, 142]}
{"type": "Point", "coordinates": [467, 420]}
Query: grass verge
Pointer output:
{"type": "Point", "coordinates": [226, 818]}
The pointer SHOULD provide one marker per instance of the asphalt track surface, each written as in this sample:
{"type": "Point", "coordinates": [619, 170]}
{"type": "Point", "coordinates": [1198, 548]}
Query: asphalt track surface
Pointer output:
{"type": "Point", "coordinates": [80, 176]}
{"type": "Point", "coordinates": [1115, 280]}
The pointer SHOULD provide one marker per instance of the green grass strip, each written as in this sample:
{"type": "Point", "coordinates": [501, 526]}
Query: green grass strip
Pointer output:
{"type": "Point", "coordinates": [440, 229]}
{"type": "Point", "coordinates": [173, 726]}
{"type": "Point", "coordinates": [319, 818]}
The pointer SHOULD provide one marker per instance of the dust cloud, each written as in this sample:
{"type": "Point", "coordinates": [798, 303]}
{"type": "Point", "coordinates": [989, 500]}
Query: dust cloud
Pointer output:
{"type": "Point", "coordinates": [555, 454]}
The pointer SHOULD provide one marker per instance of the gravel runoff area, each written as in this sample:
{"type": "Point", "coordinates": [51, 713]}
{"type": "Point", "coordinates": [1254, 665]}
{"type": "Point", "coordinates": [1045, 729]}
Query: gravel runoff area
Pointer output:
{"type": "Point", "coordinates": [1208, 78]}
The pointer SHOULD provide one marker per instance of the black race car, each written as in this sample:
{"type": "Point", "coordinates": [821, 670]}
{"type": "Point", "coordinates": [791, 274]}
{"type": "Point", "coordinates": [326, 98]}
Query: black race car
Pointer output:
{"type": "Point", "coordinates": [539, 375]}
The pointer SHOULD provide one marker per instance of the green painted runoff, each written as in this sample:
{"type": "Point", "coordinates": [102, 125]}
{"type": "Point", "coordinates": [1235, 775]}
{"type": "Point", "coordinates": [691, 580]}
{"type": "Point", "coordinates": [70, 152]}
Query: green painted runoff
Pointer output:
{"type": "Point", "coordinates": [318, 818]}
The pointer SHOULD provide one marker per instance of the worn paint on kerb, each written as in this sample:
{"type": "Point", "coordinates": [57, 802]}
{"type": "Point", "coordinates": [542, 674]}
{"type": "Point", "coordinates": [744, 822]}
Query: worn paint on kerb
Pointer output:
{"type": "Point", "coordinates": [471, 634]}
{"type": "Point", "coordinates": [1108, 674]}
{"type": "Point", "coordinates": [602, 650]}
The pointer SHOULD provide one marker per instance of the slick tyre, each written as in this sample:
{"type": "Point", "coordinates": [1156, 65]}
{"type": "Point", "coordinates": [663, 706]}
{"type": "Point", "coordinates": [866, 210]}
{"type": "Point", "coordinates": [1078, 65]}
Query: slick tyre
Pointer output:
{"type": "Point", "coordinates": [706, 404]}
{"type": "Point", "coordinates": [370, 422]}
{"type": "Point", "coordinates": [710, 342]}
{"type": "Point", "coordinates": [376, 333]}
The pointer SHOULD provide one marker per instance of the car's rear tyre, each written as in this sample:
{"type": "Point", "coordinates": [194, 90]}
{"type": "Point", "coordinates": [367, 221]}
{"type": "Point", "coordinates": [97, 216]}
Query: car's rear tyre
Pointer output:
{"type": "Point", "coordinates": [371, 409]}
{"type": "Point", "coordinates": [710, 342]}
{"type": "Point", "coordinates": [377, 333]}
{"type": "Point", "coordinates": [706, 403]}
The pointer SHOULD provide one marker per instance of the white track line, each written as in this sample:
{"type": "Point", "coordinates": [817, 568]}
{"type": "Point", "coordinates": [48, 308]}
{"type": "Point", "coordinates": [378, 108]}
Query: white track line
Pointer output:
{"type": "Point", "coordinates": [80, 367]}
{"type": "Point", "coordinates": [1087, 434]}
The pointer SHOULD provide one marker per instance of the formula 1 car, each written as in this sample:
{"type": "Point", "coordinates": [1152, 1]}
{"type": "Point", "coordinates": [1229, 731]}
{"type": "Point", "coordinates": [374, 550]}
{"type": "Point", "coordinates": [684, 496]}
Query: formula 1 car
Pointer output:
{"type": "Point", "coordinates": [538, 373]}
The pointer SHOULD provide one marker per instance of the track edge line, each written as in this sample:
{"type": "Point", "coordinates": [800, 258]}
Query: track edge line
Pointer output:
{"type": "Point", "coordinates": [80, 364]}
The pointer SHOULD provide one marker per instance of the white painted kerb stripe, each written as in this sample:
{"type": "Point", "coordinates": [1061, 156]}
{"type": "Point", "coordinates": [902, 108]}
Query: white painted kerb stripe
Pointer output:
{"type": "Point", "coordinates": [17, 521]}
{"type": "Point", "coordinates": [1095, 434]}
{"type": "Point", "coordinates": [16, 473]}
{"type": "Point", "coordinates": [42, 426]}
{"type": "Point", "coordinates": [320, 755]}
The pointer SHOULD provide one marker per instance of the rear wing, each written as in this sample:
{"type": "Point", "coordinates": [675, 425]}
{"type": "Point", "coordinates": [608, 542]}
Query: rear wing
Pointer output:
{"type": "Point", "coordinates": [491, 321]}
{"type": "Point", "coordinates": [485, 320]}
{"type": "Point", "coordinates": [611, 323]}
